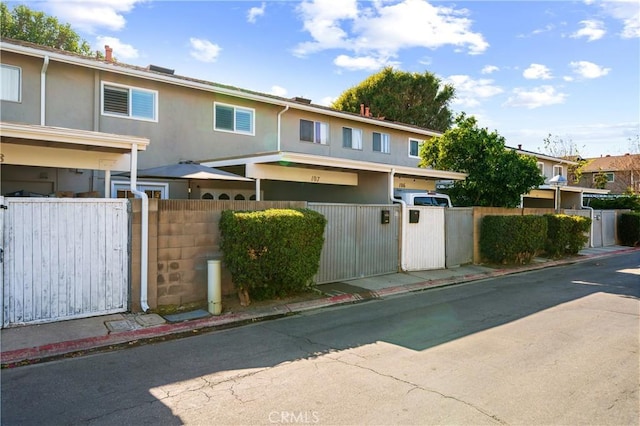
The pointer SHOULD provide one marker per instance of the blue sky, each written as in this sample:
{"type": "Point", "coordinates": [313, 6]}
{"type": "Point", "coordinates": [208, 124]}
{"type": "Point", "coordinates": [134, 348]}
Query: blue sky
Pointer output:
{"type": "Point", "coordinates": [526, 69]}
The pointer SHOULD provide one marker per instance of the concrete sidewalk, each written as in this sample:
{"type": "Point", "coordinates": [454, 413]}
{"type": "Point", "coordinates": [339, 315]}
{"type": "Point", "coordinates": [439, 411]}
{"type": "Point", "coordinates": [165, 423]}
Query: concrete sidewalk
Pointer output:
{"type": "Point", "coordinates": [36, 343]}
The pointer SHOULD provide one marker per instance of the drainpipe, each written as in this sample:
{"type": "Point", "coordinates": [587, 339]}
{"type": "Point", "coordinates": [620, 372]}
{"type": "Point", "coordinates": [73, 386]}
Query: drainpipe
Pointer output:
{"type": "Point", "coordinates": [43, 85]}
{"type": "Point", "coordinates": [582, 206]}
{"type": "Point", "coordinates": [144, 232]}
{"type": "Point", "coordinates": [279, 128]}
{"type": "Point", "coordinates": [403, 208]}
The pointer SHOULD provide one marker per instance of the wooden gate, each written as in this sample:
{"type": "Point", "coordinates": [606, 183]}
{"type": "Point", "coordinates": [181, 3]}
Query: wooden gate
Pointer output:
{"type": "Point", "coordinates": [63, 258]}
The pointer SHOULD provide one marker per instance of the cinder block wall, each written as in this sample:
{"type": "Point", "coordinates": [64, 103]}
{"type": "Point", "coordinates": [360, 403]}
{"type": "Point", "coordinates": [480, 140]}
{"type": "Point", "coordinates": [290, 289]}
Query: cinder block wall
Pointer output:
{"type": "Point", "coordinates": [183, 235]}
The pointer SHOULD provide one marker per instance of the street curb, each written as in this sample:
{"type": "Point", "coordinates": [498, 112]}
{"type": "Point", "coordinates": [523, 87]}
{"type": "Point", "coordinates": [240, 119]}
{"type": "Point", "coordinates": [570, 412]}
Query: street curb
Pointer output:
{"type": "Point", "coordinates": [110, 341]}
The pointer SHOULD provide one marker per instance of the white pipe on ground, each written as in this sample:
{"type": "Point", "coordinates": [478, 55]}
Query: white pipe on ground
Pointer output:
{"type": "Point", "coordinates": [214, 287]}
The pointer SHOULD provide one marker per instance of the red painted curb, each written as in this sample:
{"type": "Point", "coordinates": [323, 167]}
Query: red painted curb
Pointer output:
{"type": "Point", "coordinates": [10, 358]}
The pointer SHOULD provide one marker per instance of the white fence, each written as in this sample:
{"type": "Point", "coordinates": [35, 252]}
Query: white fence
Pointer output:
{"type": "Point", "coordinates": [63, 258]}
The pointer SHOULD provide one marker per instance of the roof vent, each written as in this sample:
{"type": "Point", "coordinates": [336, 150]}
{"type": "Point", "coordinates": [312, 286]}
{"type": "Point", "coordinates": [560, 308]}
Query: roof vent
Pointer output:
{"type": "Point", "coordinates": [302, 100]}
{"type": "Point", "coordinates": [160, 69]}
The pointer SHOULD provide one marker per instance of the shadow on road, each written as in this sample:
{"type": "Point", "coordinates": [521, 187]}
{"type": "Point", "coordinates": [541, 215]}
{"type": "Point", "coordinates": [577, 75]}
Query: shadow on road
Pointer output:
{"type": "Point", "coordinates": [116, 387]}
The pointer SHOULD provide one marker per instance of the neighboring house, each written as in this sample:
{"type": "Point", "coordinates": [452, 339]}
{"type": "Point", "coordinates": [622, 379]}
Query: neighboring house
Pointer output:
{"type": "Point", "coordinates": [548, 195]}
{"type": "Point", "coordinates": [622, 172]}
{"type": "Point", "coordinates": [291, 148]}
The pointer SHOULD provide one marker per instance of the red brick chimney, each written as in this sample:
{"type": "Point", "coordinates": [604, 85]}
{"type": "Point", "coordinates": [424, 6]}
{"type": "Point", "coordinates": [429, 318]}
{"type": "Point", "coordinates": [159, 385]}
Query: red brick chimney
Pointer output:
{"type": "Point", "coordinates": [367, 113]}
{"type": "Point", "coordinates": [108, 53]}
{"type": "Point", "coordinates": [362, 109]}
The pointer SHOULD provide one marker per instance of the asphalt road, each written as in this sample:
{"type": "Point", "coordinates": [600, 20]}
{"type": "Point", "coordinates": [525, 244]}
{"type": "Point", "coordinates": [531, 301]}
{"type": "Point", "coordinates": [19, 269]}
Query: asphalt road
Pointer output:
{"type": "Point", "coordinates": [556, 346]}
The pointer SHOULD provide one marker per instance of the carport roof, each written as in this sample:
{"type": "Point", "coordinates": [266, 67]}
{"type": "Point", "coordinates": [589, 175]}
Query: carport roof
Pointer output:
{"type": "Point", "coordinates": [20, 133]}
{"type": "Point", "coordinates": [318, 161]}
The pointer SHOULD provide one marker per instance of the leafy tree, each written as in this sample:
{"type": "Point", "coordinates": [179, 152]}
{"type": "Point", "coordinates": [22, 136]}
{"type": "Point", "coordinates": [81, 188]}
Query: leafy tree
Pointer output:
{"type": "Point", "coordinates": [25, 24]}
{"type": "Point", "coordinates": [567, 149]}
{"type": "Point", "coordinates": [497, 177]}
{"type": "Point", "coordinates": [410, 98]}
{"type": "Point", "coordinates": [600, 180]}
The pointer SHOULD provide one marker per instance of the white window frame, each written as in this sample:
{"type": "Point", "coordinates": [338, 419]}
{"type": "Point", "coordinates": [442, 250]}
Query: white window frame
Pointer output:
{"type": "Point", "coordinates": [541, 168]}
{"type": "Point", "coordinates": [236, 110]}
{"type": "Point", "coordinates": [129, 114]}
{"type": "Point", "coordinates": [561, 170]}
{"type": "Point", "coordinates": [125, 185]}
{"type": "Point", "coordinates": [419, 143]}
{"type": "Point", "coordinates": [356, 142]}
{"type": "Point", "coordinates": [5, 94]}
{"type": "Point", "coordinates": [385, 143]}
{"type": "Point", "coordinates": [320, 132]}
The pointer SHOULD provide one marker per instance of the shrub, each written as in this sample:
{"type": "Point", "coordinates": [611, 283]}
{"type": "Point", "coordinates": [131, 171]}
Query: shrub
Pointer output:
{"type": "Point", "coordinates": [512, 239]}
{"type": "Point", "coordinates": [631, 202]}
{"type": "Point", "coordinates": [272, 253]}
{"type": "Point", "coordinates": [566, 234]}
{"type": "Point", "coordinates": [629, 229]}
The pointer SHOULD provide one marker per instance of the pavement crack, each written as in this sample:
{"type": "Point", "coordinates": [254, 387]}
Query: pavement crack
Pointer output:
{"type": "Point", "coordinates": [416, 386]}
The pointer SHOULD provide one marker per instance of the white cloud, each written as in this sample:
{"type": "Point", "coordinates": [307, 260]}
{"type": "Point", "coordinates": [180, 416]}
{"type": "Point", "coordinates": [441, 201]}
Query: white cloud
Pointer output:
{"type": "Point", "coordinates": [120, 50]}
{"type": "Point", "coordinates": [488, 69]}
{"type": "Point", "coordinates": [92, 15]}
{"type": "Point", "coordinates": [204, 50]}
{"type": "Point", "coordinates": [278, 91]}
{"type": "Point", "coordinates": [254, 12]}
{"type": "Point", "coordinates": [470, 92]}
{"type": "Point", "coordinates": [380, 29]}
{"type": "Point", "coordinates": [536, 97]}
{"type": "Point", "coordinates": [586, 69]}
{"type": "Point", "coordinates": [367, 63]}
{"type": "Point", "coordinates": [537, 72]}
{"type": "Point", "coordinates": [626, 11]}
{"type": "Point", "coordinates": [326, 101]}
{"type": "Point", "coordinates": [591, 29]}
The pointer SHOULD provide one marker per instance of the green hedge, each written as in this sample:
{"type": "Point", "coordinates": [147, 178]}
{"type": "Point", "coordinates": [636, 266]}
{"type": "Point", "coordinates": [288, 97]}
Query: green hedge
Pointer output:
{"type": "Point", "coordinates": [629, 229]}
{"type": "Point", "coordinates": [566, 234]}
{"type": "Point", "coordinates": [631, 202]}
{"type": "Point", "coordinates": [512, 239]}
{"type": "Point", "coordinates": [272, 253]}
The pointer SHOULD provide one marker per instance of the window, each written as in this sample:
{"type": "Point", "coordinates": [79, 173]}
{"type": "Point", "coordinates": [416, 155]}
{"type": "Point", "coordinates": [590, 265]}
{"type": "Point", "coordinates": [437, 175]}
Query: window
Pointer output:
{"type": "Point", "coordinates": [381, 142]}
{"type": "Point", "coordinates": [130, 102]}
{"type": "Point", "coordinates": [10, 84]}
{"type": "Point", "coordinates": [122, 189]}
{"type": "Point", "coordinates": [557, 170]}
{"type": "Point", "coordinates": [351, 138]}
{"type": "Point", "coordinates": [541, 168]}
{"type": "Point", "coordinates": [610, 176]}
{"type": "Point", "coordinates": [414, 148]}
{"type": "Point", "coordinates": [314, 131]}
{"type": "Point", "coordinates": [234, 119]}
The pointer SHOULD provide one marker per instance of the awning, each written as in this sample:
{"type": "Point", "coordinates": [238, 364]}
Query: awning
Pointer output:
{"type": "Point", "coordinates": [267, 163]}
{"type": "Point", "coordinates": [47, 146]}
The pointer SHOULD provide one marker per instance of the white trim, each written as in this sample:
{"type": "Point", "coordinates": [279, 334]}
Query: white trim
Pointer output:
{"type": "Point", "coordinates": [206, 86]}
{"type": "Point", "coordinates": [125, 185]}
{"type": "Point", "coordinates": [333, 162]}
{"type": "Point", "coordinates": [71, 136]}
{"type": "Point", "coordinates": [235, 127]}
{"type": "Point", "coordinates": [130, 115]}
{"type": "Point", "coordinates": [420, 142]}
{"type": "Point", "coordinates": [19, 69]}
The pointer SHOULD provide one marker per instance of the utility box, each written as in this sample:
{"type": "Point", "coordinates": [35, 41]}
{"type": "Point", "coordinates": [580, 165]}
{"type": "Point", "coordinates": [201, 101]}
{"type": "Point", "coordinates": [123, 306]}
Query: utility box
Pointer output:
{"type": "Point", "coordinates": [414, 216]}
{"type": "Point", "coordinates": [385, 217]}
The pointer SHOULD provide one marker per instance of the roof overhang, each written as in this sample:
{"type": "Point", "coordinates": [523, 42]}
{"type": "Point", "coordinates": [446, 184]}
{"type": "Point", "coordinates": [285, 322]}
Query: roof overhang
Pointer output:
{"type": "Point", "coordinates": [207, 86]}
{"type": "Point", "coordinates": [578, 189]}
{"type": "Point", "coordinates": [46, 146]}
{"type": "Point", "coordinates": [317, 161]}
